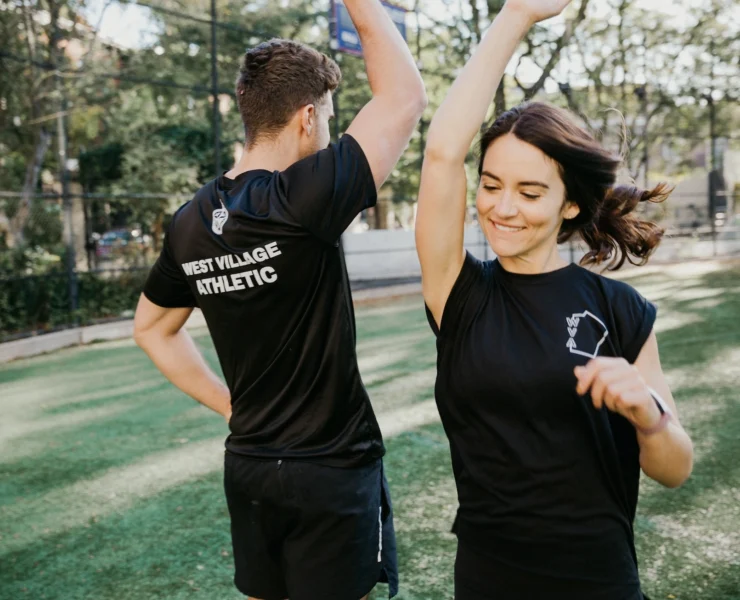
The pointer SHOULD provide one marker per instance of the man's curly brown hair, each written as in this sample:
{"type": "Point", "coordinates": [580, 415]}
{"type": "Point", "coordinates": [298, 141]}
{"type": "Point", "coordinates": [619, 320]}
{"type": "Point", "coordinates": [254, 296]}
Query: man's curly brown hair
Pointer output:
{"type": "Point", "coordinates": [275, 80]}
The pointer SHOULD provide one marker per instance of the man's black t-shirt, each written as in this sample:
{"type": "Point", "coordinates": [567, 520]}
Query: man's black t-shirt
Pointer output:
{"type": "Point", "coordinates": [260, 256]}
{"type": "Point", "coordinates": [547, 484]}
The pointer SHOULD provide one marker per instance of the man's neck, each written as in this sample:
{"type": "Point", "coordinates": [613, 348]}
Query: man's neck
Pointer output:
{"type": "Point", "coordinates": [275, 155]}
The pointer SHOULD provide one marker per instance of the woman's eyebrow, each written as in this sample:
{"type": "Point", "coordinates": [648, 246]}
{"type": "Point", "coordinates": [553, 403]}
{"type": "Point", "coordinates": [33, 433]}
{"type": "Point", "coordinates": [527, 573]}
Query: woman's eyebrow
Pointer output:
{"type": "Point", "coordinates": [521, 183]}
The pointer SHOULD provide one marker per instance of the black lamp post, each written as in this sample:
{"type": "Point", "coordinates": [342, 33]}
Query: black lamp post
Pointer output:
{"type": "Point", "coordinates": [642, 96]}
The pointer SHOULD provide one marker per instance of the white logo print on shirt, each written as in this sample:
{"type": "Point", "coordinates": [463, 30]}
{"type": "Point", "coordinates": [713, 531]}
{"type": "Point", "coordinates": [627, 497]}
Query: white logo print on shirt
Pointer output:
{"type": "Point", "coordinates": [220, 216]}
{"type": "Point", "coordinates": [573, 323]}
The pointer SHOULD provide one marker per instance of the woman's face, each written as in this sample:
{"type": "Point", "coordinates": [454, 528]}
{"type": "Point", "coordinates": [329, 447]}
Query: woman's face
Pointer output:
{"type": "Point", "coordinates": [521, 201]}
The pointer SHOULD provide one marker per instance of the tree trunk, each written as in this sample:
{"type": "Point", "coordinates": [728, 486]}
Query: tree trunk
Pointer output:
{"type": "Point", "coordinates": [20, 219]}
{"type": "Point", "coordinates": [494, 6]}
{"type": "Point", "coordinates": [500, 100]}
{"type": "Point", "coordinates": [561, 43]}
{"type": "Point", "coordinates": [476, 20]}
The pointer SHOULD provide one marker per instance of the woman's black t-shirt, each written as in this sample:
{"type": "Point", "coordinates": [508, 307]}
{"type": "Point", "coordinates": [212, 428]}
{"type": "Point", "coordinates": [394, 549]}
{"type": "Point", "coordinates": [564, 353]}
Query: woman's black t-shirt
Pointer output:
{"type": "Point", "coordinates": [547, 484]}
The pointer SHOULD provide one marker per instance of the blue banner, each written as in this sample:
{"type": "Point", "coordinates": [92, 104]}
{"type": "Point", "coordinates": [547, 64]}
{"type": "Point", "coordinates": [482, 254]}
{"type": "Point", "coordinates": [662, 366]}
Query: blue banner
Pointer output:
{"type": "Point", "coordinates": [345, 34]}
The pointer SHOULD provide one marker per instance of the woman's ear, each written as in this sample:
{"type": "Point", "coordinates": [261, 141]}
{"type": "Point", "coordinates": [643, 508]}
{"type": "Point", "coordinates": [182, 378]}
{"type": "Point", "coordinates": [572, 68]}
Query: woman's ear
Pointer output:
{"type": "Point", "coordinates": [572, 210]}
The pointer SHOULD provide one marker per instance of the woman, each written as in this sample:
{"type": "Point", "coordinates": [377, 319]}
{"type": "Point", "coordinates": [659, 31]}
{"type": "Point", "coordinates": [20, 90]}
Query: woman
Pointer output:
{"type": "Point", "coordinates": [549, 382]}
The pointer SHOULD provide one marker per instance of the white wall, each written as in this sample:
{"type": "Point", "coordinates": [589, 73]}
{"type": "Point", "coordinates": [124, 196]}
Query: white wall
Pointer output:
{"type": "Point", "coordinates": [390, 254]}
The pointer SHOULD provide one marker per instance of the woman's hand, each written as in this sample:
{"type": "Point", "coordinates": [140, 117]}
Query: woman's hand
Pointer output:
{"type": "Point", "coordinates": [618, 385]}
{"type": "Point", "coordinates": [666, 451]}
{"type": "Point", "coordinates": [537, 10]}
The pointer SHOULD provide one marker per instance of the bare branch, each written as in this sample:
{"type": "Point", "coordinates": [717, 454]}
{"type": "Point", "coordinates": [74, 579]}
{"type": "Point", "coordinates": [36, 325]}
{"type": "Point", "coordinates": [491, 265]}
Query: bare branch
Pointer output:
{"type": "Point", "coordinates": [476, 20]}
{"type": "Point", "coordinates": [96, 28]}
{"type": "Point", "coordinates": [559, 45]}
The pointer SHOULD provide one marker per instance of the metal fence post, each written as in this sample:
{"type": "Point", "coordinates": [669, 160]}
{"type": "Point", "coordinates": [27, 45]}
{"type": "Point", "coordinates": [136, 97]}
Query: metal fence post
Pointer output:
{"type": "Point", "coordinates": [69, 234]}
{"type": "Point", "coordinates": [69, 238]}
{"type": "Point", "coordinates": [420, 65]}
{"type": "Point", "coordinates": [214, 90]}
{"type": "Point", "coordinates": [712, 153]}
{"type": "Point", "coordinates": [337, 114]}
{"type": "Point", "coordinates": [484, 241]}
{"type": "Point", "coordinates": [334, 47]}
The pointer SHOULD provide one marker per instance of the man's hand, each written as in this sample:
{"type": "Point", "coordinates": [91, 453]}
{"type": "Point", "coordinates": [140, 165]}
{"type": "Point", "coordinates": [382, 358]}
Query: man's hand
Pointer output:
{"type": "Point", "coordinates": [385, 125]}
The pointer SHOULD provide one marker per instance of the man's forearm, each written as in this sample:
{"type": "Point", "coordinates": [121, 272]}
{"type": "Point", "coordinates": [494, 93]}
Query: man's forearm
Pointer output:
{"type": "Point", "coordinates": [177, 357]}
{"type": "Point", "coordinates": [391, 69]}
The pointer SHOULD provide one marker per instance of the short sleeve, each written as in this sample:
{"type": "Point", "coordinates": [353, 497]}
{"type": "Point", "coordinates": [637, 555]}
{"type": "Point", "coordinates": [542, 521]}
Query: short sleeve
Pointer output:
{"type": "Point", "coordinates": [324, 192]}
{"type": "Point", "coordinates": [166, 285]}
{"type": "Point", "coordinates": [634, 317]}
{"type": "Point", "coordinates": [466, 296]}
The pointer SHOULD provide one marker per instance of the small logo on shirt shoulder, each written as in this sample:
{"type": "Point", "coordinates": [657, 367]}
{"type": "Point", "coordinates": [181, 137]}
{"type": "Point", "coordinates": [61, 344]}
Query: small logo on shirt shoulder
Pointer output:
{"type": "Point", "coordinates": [220, 216]}
{"type": "Point", "coordinates": [593, 334]}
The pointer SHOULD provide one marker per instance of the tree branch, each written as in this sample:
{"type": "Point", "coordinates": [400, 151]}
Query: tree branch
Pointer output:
{"type": "Point", "coordinates": [555, 55]}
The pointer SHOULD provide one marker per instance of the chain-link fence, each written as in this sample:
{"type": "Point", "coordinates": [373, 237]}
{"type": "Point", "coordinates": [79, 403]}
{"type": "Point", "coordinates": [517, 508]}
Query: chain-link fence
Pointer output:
{"type": "Point", "coordinates": [80, 263]}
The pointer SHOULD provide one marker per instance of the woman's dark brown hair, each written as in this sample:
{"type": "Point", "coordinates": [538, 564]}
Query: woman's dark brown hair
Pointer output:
{"type": "Point", "coordinates": [607, 221]}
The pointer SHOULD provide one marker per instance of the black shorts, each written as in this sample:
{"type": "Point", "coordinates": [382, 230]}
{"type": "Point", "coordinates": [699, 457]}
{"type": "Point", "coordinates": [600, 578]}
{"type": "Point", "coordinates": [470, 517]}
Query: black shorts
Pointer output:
{"type": "Point", "coordinates": [481, 577]}
{"type": "Point", "coordinates": [307, 532]}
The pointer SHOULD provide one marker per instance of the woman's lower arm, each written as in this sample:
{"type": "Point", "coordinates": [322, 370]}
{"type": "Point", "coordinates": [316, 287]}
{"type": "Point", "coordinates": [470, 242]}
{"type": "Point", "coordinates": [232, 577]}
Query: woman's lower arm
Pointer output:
{"type": "Point", "coordinates": [667, 456]}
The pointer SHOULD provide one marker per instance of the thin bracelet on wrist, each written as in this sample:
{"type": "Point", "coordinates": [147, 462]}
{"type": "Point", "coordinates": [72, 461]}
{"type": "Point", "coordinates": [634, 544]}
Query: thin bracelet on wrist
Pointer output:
{"type": "Point", "coordinates": [665, 419]}
{"type": "Point", "coordinates": [665, 415]}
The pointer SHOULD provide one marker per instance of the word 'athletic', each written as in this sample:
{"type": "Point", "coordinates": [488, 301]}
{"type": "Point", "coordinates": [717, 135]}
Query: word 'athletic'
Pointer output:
{"type": "Point", "coordinates": [236, 281]}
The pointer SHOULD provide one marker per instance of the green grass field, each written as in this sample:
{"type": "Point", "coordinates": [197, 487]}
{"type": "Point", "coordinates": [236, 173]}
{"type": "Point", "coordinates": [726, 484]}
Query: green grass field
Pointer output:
{"type": "Point", "coordinates": [110, 479]}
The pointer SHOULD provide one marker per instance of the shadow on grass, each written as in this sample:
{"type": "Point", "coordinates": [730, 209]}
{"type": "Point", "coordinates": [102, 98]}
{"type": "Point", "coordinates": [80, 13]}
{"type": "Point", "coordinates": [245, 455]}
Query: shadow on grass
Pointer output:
{"type": "Point", "coordinates": [149, 425]}
{"type": "Point", "coordinates": [74, 359]}
{"type": "Point", "coordinates": [711, 331]}
{"type": "Point", "coordinates": [717, 439]}
{"type": "Point", "coordinates": [405, 317]}
{"type": "Point", "coordinates": [67, 435]}
{"type": "Point", "coordinates": [425, 501]}
{"type": "Point", "coordinates": [176, 545]}
{"type": "Point", "coordinates": [682, 533]}
{"type": "Point", "coordinates": [724, 586]}
{"type": "Point", "coordinates": [697, 346]}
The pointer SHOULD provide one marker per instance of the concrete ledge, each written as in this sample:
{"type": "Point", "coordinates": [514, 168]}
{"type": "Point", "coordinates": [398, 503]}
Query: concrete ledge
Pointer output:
{"type": "Point", "coordinates": [39, 344]}
{"type": "Point", "coordinates": [106, 331]}
{"type": "Point", "coordinates": [370, 295]}
{"type": "Point", "coordinates": [117, 330]}
{"type": "Point", "coordinates": [49, 342]}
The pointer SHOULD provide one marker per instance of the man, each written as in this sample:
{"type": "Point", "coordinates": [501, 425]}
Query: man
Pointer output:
{"type": "Point", "coordinates": [257, 250]}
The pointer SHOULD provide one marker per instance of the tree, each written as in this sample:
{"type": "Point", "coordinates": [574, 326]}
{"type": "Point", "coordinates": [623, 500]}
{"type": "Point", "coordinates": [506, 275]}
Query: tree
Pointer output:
{"type": "Point", "coordinates": [655, 71]}
{"type": "Point", "coordinates": [44, 87]}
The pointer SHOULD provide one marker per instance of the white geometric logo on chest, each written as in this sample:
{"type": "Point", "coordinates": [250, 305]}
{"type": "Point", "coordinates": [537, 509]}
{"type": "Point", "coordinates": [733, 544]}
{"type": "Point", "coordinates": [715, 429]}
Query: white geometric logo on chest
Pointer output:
{"type": "Point", "coordinates": [579, 319]}
{"type": "Point", "coordinates": [220, 216]}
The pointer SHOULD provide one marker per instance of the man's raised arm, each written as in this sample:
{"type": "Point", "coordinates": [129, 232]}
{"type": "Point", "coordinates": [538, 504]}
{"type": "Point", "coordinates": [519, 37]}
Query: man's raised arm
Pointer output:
{"type": "Point", "coordinates": [385, 125]}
